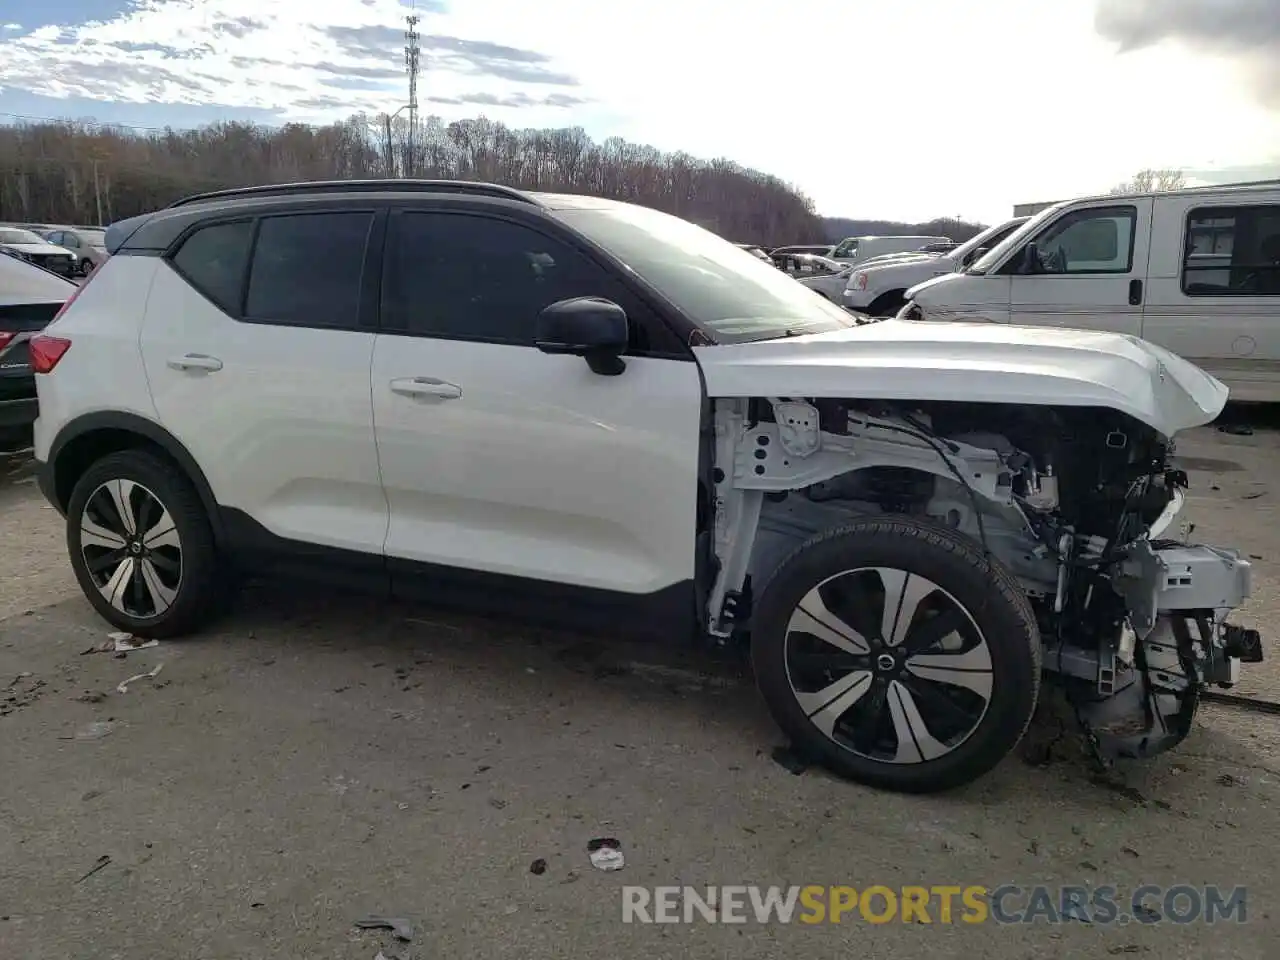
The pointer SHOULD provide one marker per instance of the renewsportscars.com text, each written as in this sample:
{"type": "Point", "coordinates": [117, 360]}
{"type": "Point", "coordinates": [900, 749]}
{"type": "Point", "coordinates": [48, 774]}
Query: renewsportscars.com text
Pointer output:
{"type": "Point", "coordinates": [944, 904]}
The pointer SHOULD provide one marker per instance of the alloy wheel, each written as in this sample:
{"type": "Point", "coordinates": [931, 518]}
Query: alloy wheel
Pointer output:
{"type": "Point", "coordinates": [131, 549]}
{"type": "Point", "coordinates": [888, 665]}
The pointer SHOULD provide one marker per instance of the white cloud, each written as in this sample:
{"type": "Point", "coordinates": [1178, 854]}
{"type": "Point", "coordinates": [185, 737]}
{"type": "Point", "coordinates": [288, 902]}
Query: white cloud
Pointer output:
{"type": "Point", "coordinates": [903, 108]}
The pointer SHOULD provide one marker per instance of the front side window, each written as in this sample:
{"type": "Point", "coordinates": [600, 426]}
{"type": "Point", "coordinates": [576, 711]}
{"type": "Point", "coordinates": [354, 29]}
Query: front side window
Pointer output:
{"type": "Point", "coordinates": [1232, 251]}
{"type": "Point", "coordinates": [469, 277]}
{"type": "Point", "coordinates": [213, 261]}
{"type": "Point", "coordinates": [846, 248]}
{"type": "Point", "coordinates": [307, 269]}
{"type": "Point", "coordinates": [1098, 240]}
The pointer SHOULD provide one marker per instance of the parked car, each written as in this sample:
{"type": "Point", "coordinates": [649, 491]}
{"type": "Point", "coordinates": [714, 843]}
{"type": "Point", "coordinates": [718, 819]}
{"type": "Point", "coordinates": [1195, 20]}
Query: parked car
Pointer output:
{"type": "Point", "coordinates": [29, 298]}
{"type": "Point", "coordinates": [30, 246]}
{"type": "Point", "coordinates": [806, 264]}
{"type": "Point", "coordinates": [754, 250]}
{"type": "Point", "coordinates": [879, 288]}
{"type": "Point", "coordinates": [1196, 271]}
{"type": "Point", "coordinates": [820, 249]}
{"type": "Point", "coordinates": [86, 243]}
{"type": "Point", "coordinates": [853, 250]}
{"type": "Point", "coordinates": [593, 413]}
{"type": "Point", "coordinates": [820, 274]}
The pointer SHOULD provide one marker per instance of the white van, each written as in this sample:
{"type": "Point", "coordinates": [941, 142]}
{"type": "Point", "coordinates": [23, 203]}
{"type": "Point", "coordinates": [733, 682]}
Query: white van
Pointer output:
{"type": "Point", "coordinates": [856, 249]}
{"type": "Point", "coordinates": [1196, 271]}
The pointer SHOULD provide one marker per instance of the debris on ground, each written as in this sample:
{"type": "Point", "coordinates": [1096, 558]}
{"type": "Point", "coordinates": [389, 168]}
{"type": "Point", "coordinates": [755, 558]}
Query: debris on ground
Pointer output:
{"type": "Point", "coordinates": [102, 861]}
{"type": "Point", "coordinates": [1236, 429]}
{"type": "Point", "coordinates": [790, 760]}
{"type": "Point", "coordinates": [123, 686]}
{"type": "Point", "coordinates": [401, 928]}
{"type": "Point", "coordinates": [91, 696]}
{"type": "Point", "coordinates": [120, 643]}
{"type": "Point", "coordinates": [1228, 780]}
{"type": "Point", "coordinates": [606, 853]}
{"type": "Point", "coordinates": [538, 867]}
{"type": "Point", "coordinates": [93, 731]}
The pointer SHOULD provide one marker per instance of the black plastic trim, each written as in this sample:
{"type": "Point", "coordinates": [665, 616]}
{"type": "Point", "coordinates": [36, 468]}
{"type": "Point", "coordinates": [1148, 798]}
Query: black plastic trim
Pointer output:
{"type": "Point", "coordinates": [669, 614]}
{"type": "Point", "coordinates": [409, 185]}
{"type": "Point", "coordinates": [19, 413]}
{"type": "Point", "coordinates": [132, 423]}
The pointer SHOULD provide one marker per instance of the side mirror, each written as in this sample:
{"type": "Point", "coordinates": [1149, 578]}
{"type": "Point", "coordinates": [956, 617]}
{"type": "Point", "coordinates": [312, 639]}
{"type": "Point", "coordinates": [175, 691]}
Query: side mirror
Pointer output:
{"type": "Point", "coordinates": [589, 327]}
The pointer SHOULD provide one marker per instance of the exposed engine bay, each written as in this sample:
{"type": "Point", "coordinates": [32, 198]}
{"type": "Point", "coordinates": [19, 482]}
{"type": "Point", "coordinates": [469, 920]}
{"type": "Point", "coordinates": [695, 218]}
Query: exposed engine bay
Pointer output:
{"type": "Point", "coordinates": [1078, 503]}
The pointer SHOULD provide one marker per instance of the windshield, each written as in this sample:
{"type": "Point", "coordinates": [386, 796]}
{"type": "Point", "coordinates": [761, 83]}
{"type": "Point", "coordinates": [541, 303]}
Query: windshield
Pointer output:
{"type": "Point", "coordinates": [996, 253]}
{"type": "Point", "coordinates": [20, 236]}
{"type": "Point", "coordinates": [721, 288]}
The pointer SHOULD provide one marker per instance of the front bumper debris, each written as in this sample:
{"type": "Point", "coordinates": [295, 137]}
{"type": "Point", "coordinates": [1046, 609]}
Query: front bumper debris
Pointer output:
{"type": "Point", "coordinates": [1178, 596]}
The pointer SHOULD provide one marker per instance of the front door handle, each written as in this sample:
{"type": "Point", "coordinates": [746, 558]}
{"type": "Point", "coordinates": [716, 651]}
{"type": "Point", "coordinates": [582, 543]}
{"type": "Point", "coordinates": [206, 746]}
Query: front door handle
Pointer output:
{"type": "Point", "coordinates": [1135, 292]}
{"type": "Point", "coordinates": [427, 387]}
{"type": "Point", "coordinates": [195, 361]}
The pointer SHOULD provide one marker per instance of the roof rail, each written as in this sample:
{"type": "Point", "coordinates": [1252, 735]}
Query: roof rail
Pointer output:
{"type": "Point", "coordinates": [361, 186]}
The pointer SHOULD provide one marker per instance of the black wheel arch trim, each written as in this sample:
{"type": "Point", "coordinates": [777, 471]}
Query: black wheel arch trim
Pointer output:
{"type": "Point", "coordinates": [130, 423]}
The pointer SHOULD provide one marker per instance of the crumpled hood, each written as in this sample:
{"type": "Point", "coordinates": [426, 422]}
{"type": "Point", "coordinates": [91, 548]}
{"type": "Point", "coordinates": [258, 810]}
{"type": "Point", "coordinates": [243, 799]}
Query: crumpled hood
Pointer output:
{"type": "Point", "coordinates": [973, 362]}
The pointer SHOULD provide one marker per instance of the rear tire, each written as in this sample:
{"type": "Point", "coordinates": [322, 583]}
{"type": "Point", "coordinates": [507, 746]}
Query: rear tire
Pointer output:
{"type": "Point", "coordinates": [914, 702]}
{"type": "Point", "coordinates": [142, 547]}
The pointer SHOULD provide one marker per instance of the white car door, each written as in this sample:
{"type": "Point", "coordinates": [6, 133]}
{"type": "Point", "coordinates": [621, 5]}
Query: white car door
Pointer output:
{"type": "Point", "coordinates": [1091, 270]}
{"type": "Point", "coordinates": [258, 363]}
{"type": "Point", "coordinates": [499, 459]}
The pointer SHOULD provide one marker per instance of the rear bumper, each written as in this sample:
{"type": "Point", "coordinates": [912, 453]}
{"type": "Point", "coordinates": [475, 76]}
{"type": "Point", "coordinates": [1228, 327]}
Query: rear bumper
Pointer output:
{"type": "Point", "coordinates": [18, 413]}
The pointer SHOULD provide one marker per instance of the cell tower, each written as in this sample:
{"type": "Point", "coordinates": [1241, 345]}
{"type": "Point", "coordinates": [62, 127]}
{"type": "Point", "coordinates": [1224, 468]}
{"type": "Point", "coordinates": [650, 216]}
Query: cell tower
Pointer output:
{"type": "Point", "coordinates": [411, 65]}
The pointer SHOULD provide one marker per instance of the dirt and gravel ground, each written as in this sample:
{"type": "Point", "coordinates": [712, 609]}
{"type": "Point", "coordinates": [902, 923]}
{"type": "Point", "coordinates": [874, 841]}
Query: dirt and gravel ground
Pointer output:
{"type": "Point", "coordinates": [318, 758]}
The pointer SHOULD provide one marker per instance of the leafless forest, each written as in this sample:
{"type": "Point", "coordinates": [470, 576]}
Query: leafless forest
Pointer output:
{"type": "Point", "coordinates": [47, 170]}
{"type": "Point", "coordinates": [72, 172]}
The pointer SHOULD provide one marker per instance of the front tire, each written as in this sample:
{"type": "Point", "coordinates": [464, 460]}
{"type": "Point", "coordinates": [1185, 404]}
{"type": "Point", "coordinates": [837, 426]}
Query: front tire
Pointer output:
{"type": "Point", "coordinates": [896, 654]}
{"type": "Point", "coordinates": [142, 547]}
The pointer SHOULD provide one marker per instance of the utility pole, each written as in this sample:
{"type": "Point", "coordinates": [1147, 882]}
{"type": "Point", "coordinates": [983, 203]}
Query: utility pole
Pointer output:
{"type": "Point", "coordinates": [97, 190]}
{"type": "Point", "coordinates": [411, 64]}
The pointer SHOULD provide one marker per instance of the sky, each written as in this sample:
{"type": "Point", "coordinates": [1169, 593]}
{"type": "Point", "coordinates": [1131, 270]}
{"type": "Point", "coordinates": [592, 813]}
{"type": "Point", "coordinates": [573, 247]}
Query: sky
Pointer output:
{"type": "Point", "coordinates": [896, 109]}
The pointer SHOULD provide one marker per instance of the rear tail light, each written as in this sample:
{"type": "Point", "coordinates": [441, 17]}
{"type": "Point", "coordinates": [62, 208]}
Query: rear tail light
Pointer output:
{"type": "Point", "coordinates": [46, 351]}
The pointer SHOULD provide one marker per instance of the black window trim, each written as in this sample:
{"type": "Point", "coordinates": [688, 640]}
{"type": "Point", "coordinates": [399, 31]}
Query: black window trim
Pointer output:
{"type": "Point", "coordinates": [1013, 262]}
{"type": "Point", "coordinates": [367, 309]}
{"type": "Point", "coordinates": [1210, 212]}
{"type": "Point", "coordinates": [675, 348]}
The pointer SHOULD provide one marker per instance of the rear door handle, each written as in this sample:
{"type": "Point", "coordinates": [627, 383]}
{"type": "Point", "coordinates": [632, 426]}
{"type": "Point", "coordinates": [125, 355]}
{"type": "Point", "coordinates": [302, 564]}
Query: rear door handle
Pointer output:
{"type": "Point", "coordinates": [426, 387]}
{"type": "Point", "coordinates": [1135, 292]}
{"type": "Point", "coordinates": [195, 361]}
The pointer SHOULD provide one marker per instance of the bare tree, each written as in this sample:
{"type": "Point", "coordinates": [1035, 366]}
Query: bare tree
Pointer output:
{"type": "Point", "coordinates": [1152, 181]}
{"type": "Point", "coordinates": [47, 170]}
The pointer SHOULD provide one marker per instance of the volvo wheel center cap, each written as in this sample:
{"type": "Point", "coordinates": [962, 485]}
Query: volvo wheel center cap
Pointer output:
{"type": "Point", "coordinates": [886, 662]}
{"type": "Point", "coordinates": [135, 547]}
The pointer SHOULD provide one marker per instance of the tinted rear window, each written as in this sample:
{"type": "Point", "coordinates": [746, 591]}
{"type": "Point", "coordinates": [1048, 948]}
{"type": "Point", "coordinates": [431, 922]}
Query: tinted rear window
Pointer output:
{"type": "Point", "coordinates": [213, 260]}
{"type": "Point", "coordinates": [307, 268]}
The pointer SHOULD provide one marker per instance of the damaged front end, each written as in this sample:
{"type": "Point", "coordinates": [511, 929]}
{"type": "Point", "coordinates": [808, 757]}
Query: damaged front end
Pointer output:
{"type": "Point", "coordinates": [1074, 502]}
{"type": "Point", "coordinates": [1143, 685]}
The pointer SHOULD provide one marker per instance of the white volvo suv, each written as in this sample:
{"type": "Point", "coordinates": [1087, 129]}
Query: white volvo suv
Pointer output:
{"type": "Point", "coordinates": [598, 415]}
